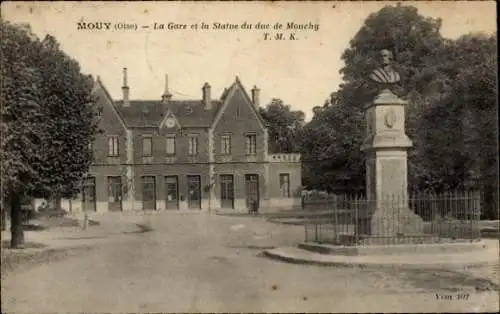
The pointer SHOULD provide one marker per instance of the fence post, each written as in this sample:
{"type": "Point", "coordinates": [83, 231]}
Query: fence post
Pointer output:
{"type": "Point", "coordinates": [356, 219]}
{"type": "Point", "coordinates": [477, 212]}
{"type": "Point", "coordinates": [335, 218]}
{"type": "Point", "coordinates": [469, 214]}
{"type": "Point", "coordinates": [306, 239]}
{"type": "Point", "coordinates": [316, 232]}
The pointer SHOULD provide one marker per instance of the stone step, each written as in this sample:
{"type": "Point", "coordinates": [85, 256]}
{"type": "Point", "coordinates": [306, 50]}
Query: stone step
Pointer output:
{"type": "Point", "coordinates": [363, 250]}
{"type": "Point", "coordinates": [462, 260]}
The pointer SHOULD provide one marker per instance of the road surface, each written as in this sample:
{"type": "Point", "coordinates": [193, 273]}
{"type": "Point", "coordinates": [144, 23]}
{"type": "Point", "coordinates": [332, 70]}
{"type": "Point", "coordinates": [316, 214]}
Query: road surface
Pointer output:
{"type": "Point", "coordinates": [208, 263]}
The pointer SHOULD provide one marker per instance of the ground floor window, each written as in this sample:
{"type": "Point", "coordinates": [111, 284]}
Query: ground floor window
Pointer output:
{"type": "Point", "coordinates": [285, 184]}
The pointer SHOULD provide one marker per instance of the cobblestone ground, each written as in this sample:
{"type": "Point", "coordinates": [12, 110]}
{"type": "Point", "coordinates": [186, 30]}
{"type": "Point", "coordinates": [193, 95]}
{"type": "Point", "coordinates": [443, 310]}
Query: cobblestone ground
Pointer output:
{"type": "Point", "coordinates": [206, 263]}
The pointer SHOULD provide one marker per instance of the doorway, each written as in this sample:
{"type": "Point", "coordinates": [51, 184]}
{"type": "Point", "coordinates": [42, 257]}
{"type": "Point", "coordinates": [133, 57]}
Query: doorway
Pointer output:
{"type": "Point", "coordinates": [252, 189]}
{"type": "Point", "coordinates": [194, 192]}
{"type": "Point", "coordinates": [227, 191]}
{"type": "Point", "coordinates": [114, 193]}
{"type": "Point", "coordinates": [171, 192]}
{"type": "Point", "coordinates": [148, 193]}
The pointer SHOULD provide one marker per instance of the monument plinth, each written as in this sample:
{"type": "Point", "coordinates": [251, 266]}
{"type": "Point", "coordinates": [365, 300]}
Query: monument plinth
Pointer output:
{"type": "Point", "coordinates": [386, 145]}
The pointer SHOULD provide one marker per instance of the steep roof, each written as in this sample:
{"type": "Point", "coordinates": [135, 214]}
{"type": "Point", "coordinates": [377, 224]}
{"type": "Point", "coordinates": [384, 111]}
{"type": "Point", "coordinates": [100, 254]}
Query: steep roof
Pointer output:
{"type": "Point", "coordinates": [189, 113]}
{"type": "Point", "coordinates": [227, 91]}
{"type": "Point", "coordinates": [150, 113]}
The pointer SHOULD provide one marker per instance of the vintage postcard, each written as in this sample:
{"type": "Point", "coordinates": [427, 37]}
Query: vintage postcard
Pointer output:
{"type": "Point", "coordinates": [260, 157]}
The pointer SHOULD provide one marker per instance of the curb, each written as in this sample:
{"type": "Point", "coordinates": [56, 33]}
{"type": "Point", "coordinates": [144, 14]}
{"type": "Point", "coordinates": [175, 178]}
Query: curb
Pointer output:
{"type": "Point", "coordinates": [351, 264]}
{"type": "Point", "coordinates": [388, 250]}
{"type": "Point", "coordinates": [280, 221]}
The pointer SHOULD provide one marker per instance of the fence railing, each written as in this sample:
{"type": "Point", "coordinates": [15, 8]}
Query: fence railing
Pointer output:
{"type": "Point", "coordinates": [416, 218]}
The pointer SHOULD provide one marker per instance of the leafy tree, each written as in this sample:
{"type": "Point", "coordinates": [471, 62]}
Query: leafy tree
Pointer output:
{"type": "Point", "coordinates": [469, 157]}
{"type": "Point", "coordinates": [423, 62]}
{"type": "Point", "coordinates": [66, 105]}
{"type": "Point", "coordinates": [330, 156]}
{"type": "Point", "coordinates": [284, 126]}
{"type": "Point", "coordinates": [47, 121]}
{"type": "Point", "coordinates": [451, 116]}
{"type": "Point", "coordinates": [418, 48]}
{"type": "Point", "coordinates": [414, 40]}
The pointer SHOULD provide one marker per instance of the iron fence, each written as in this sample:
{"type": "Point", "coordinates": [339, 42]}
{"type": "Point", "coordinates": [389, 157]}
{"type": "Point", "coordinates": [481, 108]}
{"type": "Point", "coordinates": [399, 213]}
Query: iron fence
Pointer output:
{"type": "Point", "coordinates": [416, 218]}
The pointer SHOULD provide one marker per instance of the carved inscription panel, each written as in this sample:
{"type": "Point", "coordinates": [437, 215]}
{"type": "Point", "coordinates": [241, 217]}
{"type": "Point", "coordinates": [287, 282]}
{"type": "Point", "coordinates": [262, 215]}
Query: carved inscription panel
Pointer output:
{"type": "Point", "coordinates": [392, 177]}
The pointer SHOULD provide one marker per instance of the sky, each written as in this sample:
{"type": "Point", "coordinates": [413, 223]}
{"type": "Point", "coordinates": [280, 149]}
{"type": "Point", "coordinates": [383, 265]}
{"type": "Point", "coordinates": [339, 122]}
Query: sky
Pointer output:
{"type": "Point", "coordinates": [301, 72]}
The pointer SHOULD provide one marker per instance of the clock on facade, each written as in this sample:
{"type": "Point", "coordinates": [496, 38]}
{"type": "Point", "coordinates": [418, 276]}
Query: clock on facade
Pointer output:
{"type": "Point", "coordinates": [170, 122]}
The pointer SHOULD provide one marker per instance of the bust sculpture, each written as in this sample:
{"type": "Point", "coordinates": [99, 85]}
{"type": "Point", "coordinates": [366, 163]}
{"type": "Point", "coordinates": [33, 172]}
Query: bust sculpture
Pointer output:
{"type": "Point", "coordinates": [385, 75]}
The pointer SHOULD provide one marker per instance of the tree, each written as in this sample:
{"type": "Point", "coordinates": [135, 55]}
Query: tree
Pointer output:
{"type": "Point", "coordinates": [47, 122]}
{"type": "Point", "coordinates": [476, 88]}
{"type": "Point", "coordinates": [331, 156]}
{"type": "Point", "coordinates": [451, 116]}
{"type": "Point", "coordinates": [416, 43]}
{"type": "Point", "coordinates": [284, 126]}
{"type": "Point", "coordinates": [471, 112]}
{"type": "Point", "coordinates": [67, 106]}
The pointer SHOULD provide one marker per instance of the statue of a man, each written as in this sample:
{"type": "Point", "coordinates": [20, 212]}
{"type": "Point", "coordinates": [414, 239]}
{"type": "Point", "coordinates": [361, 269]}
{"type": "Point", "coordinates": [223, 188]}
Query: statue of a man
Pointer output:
{"type": "Point", "coordinates": [385, 74]}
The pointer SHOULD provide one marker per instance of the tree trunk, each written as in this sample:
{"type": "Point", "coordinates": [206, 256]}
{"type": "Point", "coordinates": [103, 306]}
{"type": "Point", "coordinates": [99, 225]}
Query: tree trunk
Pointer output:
{"type": "Point", "coordinates": [5, 208]}
{"type": "Point", "coordinates": [4, 217]}
{"type": "Point", "coordinates": [16, 218]}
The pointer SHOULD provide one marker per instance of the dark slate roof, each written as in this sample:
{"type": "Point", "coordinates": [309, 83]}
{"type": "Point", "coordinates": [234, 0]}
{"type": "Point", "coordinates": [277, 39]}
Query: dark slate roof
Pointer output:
{"type": "Point", "coordinates": [150, 113]}
{"type": "Point", "coordinates": [189, 113]}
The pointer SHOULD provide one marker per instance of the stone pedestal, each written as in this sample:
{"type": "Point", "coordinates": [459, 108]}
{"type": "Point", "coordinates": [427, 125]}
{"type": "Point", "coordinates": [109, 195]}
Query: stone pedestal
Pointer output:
{"type": "Point", "coordinates": [386, 144]}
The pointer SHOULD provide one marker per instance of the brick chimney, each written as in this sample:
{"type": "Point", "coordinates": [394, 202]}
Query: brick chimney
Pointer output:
{"type": "Point", "coordinates": [207, 99]}
{"type": "Point", "coordinates": [125, 89]}
{"type": "Point", "coordinates": [165, 98]}
{"type": "Point", "coordinates": [256, 96]}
